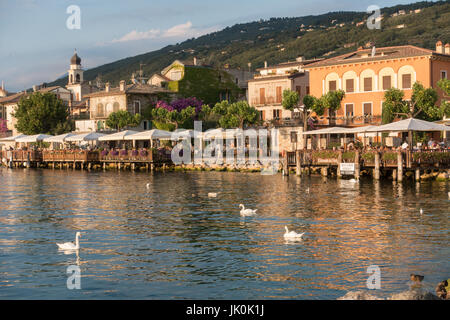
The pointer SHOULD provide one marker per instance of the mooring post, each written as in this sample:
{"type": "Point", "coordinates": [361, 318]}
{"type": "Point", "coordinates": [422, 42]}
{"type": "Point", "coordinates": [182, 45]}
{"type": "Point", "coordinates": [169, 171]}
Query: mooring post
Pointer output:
{"type": "Point", "coordinates": [133, 166]}
{"type": "Point", "coordinates": [357, 168]}
{"type": "Point", "coordinates": [377, 166]}
{"type": "Point", "coordinates": [324, 171]}
{"type": "Point", "coordinates": [298, 163]}
{"type": "Point", "coordinates": [400, 166]}
{"type": "Point", "coordinates": [417, 174]}
{"type": "Point", "coordinates": [338, 171]}
{"type": "Point", "coordinates": [285, 164]}
{"type": "Point", "coordinates": [394, 174]}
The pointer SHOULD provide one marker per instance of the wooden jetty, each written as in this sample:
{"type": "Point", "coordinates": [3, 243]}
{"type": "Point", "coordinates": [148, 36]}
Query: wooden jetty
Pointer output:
{"type": "Point", "coordinates": [395, 162]}
{"type": "Point", "coordinates": [82, 159]}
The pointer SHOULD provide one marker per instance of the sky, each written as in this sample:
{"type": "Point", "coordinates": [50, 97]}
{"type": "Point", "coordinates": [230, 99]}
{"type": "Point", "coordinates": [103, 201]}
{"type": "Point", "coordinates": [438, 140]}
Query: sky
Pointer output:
{"type": "Point", "coordinates": [36, 44]}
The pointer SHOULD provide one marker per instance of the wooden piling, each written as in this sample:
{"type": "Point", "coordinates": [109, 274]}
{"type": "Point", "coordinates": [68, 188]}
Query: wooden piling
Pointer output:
{"type": "Point", "coordinates": [338, 170]}
{"type": "Point", "coordinates": [417, 171]}
{"type": "Point", "coordinates": [400, 166]}
{"type": "Point", "coordinates": [376, 172]}
{"type": "Point", "coordinates": [357, 167]}
{"type": "Point", "coordinates": [298, 163]}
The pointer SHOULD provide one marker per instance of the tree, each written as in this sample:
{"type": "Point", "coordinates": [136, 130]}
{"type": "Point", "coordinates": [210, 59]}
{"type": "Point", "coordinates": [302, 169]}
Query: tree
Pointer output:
{"type": "Point", "coordinates": [122, 118]}
{"type": "Point", "coordinates": [173, 116]}
{"type": "Point", "coordinates": [40, 113]}
{"type": "Point", "coordinates": [332, 100]}
{"type": "Point", "coordinates": [308, 104]}
{"type": "Point", "coordinates": [290, 99]}
{"type": "Point", "coordinates": [393, 104]}
{"type": "Point", "coordinates": [422, 104]}
{"type": "Point", "coordinates": [444, 84]}
{"type": "Point", "coordinates": [237, 114]}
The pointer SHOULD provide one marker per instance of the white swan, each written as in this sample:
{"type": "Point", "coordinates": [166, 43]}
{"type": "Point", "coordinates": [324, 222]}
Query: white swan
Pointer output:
{"type": "Point", "coordinates": [421, 211]}
{"type": "Point", "coordinates": [148, 185]}
{"type": "Point", "coordinates": [70, 245]}
{"type": "Point", "coordinates": [212, 195]}
{"type": "Point", "coordinates": [247, 212]}
{"type": "Point", "coordinates": [292, 235]}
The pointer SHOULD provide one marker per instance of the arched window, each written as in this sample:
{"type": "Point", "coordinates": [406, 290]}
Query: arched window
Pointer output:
{"type": "Point", "coordinates": [78, 78]}
{"type": "Point", "coordinates": [386, 79]}
{"type": "Point", "coordinates": [349, 81]}
{"type": "Point", "coordinates": [100, 110]}
{"type": "Point", "coordinates": [367, 80]}
{"type": "Point", "coordinates": [406, 77]}
{"type": "Point", "coordinates": [332, 82]}
{"type": "Point", "coordinates": [71, 79]}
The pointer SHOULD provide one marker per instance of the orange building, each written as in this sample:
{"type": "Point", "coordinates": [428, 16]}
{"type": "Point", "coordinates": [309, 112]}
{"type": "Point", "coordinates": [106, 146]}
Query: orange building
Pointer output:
{"type": "Point", "coordinates": [366, 74]}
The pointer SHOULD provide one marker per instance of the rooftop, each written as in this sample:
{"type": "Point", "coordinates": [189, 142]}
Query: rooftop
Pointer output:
{"type": "Point", "coordinates": [386, 53]}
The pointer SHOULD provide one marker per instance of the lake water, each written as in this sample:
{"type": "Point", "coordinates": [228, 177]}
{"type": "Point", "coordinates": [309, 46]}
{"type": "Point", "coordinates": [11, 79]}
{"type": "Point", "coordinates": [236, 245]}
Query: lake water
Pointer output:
{"type": "Point", "coordinates": [173, 242]}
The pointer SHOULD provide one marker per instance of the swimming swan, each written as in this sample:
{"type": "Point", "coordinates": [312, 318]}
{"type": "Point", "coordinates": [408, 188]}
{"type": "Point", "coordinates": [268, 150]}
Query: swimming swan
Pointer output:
{"type": "Point", "coordinates": [70, 245]}
{"type": "Point", "coordinates": [247, 212]}
{"type": "Point", "coordinates": [292, 235]}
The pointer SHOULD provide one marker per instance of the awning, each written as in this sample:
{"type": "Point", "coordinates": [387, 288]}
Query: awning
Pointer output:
{"type": "Point", "coordinates": [13, 138]}
{"type": "Point", "coordinates": [90, 136]}
{"type": "Point", "coordinates": [150, 135]}
{"type": "Point", "coordinates": [33, 138]}
{"type": "Point", "coordinates": [60, 138]}
{"type": "Point", "coordinates": [117, 136]}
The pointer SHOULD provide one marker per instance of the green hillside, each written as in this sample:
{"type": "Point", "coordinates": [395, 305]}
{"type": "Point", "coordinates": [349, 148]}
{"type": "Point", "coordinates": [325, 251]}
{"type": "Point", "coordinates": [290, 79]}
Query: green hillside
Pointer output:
{"type": "Point", "coordinates": [283, 39]}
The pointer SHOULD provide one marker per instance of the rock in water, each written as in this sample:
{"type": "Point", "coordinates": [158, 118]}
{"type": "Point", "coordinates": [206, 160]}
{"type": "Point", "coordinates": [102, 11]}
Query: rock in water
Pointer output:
{"type": "Point", "coordinates": [415, 294]}
{"type": "Point", "coordinates": [359, 295]}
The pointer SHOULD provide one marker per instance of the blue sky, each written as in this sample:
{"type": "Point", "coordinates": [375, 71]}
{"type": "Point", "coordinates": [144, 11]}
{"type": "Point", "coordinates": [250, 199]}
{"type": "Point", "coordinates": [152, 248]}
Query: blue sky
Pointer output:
{"type": "Point", "coordinates": [36, 45]}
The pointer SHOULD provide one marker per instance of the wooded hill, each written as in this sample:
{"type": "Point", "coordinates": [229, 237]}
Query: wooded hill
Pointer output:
{"type": "Point", "coordinates": [283, 39]}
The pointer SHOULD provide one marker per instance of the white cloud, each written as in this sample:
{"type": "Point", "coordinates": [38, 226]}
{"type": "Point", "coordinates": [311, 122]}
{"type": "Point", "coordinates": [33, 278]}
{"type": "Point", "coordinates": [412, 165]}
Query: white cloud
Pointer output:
{"type": "Point", "coordinates": [135, 35]}
{"type": "Point", "coordinates": [185, 30]}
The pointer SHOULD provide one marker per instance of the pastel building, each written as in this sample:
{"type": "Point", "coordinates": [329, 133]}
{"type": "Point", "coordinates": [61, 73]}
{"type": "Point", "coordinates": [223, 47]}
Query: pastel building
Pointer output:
{"type": "Point", "coordinates": [366, 74]}
{"type": "Point", "coordinates": [265, 91]}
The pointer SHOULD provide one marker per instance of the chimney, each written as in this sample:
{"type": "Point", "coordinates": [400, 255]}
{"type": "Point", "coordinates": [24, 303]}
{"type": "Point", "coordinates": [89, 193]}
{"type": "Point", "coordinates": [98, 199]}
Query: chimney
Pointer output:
{"type": "Point", "coordinates": [439, 48]}
{"type": "Point", "coordinates": [195, 61]}
{"type": "Point", "coordinates": [447, 48]}
{"type": "Point", "coordinates": [265, 64]}
{"type": "Point", "coordinates": [122, 85]}
{"type": "Point", "coordinates": [107, 87]}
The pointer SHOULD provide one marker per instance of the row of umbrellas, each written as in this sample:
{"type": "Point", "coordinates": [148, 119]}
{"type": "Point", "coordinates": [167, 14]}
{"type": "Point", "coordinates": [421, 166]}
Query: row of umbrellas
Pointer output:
{"type": "Point", "coordinates": [156, 134]}
{"type": "Point", "coordinates": [406, 125]}
{"type": "Point", "coordinates": [130, 135]}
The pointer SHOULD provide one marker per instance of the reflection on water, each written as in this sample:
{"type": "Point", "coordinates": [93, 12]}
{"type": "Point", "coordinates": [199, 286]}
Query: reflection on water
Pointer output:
{"type": "Point", "coordinates": [171, 241]}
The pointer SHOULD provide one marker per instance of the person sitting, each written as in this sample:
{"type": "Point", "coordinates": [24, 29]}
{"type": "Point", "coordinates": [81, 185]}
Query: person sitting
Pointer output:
{"type": "Point", "coordinates": [405, 145]}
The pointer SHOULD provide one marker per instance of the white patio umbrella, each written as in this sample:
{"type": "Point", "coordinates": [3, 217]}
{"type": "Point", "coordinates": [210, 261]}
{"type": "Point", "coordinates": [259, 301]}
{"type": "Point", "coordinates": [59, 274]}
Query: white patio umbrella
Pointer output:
{"type": "Point", "coordinates": [60, 138]}
{"type": "Point", "coordinates": [410, 124]}
{"type": "Point", "coordinates": [90, 136]}
{"type": "Point", "coordinates": [33, 138]}
{"type": "Point", "coordinates": [330, 130]}
{"type": "Point", "coordinates": [118, 136]}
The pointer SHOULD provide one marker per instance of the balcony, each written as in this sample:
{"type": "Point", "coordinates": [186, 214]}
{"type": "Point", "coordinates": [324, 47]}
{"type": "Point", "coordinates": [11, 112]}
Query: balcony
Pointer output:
{"type": "Point", "coordinates": [352, 121]}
